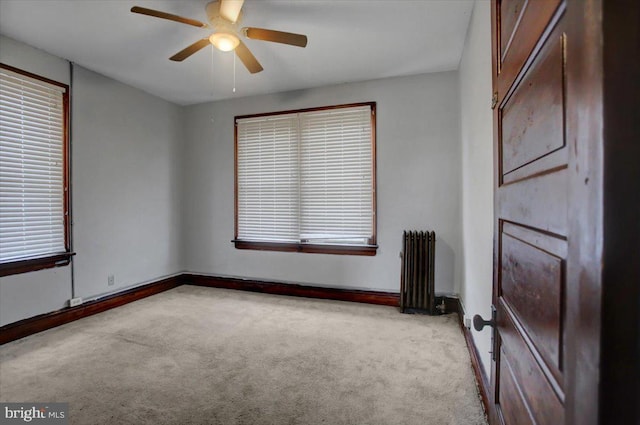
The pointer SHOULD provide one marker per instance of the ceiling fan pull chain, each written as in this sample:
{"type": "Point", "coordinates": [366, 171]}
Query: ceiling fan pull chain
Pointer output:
{"type": "Point", "coordinates": [212, 74]}
{"type": "Point", "coordinates": [234, 73]}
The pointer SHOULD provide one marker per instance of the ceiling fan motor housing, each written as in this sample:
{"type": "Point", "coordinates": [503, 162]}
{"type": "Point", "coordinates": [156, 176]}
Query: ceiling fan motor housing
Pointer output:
{"type": "Point", "coordinates": [225, 36]}
{"type": "Point", "coordinates": [215, 19]}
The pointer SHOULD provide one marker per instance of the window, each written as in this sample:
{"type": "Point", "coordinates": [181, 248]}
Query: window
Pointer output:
{"type": "Point", "coordinates": [305, 180]}
{"type": "Point", "coordinates": [33, 172]}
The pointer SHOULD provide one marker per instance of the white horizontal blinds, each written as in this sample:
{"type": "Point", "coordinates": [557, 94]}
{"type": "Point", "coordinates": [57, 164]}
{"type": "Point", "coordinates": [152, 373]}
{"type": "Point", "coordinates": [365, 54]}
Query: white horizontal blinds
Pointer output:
{"type": "Point", "coordinates": [31, 167]}
{"type": "Point", "coordinates": [268, 178]}
{"type": "Point", "coordinates": [336, 176]}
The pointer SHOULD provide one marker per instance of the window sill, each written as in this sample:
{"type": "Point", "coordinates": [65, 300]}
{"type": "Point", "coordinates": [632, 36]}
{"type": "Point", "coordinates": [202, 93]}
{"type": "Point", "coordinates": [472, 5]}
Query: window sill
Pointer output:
{"type": "Point", "coordinates": [368, 250]}
{"type": "Point", "coordinates": [33, 264]}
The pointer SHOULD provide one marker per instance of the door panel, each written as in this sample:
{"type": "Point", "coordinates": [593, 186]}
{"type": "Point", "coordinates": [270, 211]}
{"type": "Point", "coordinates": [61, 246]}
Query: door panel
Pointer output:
{"type": "Point", "coordinates": [531, 284]}
{"type": "Point", "coordinates": [521, 39]}
{"type": "Point", "coordinates": [542, 399]}
{"type": "Point", "coordinates": [532, 117]}
{"type": "Point", "coordinates": [538, 201]}
{"type": "Point", "coordinates": [510, 13]}
{"type": "Point", "coordinates": [531, 227]}
{"type": "Point", "coordinates": [511, 399]}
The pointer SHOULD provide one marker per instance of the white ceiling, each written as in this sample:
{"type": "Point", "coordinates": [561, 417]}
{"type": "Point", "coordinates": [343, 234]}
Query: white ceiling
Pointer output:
{"type": "Point", "coordinates": [349, 40]}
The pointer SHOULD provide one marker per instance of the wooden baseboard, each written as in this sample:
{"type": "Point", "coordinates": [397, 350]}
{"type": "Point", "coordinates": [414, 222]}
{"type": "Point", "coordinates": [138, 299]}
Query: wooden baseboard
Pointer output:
{"type": "Point", "coordinates": [280, 288]}
{"type": "Point", "coordinates": [42, 322]}
{"type": "Point", "coordinates": [478, 370]}
{"type": "Point", "coordinates": [481, 377]}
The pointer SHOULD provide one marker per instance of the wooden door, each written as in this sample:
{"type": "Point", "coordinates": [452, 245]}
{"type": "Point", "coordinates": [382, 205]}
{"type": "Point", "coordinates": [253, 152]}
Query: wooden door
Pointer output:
{"type": "Point", "coordinates": [566, 271]}
{"type": "Point", "coordinates": [531, 211]}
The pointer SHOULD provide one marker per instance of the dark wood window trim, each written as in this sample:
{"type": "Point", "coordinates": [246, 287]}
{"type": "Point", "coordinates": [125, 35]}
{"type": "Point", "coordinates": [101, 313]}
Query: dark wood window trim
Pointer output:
{"type": "Point", "coordinates": [33, 264]}
{"type": "Point", "coordinates": [55, 259]}
{"type": "Point", "coordinates": [368, 250]}
{"type": "Point", "coordinates": [365, 250]}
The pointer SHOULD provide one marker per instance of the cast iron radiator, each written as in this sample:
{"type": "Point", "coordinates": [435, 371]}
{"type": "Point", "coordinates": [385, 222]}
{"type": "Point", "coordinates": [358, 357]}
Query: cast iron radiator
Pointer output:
{"type": "Point", "coordinates": [416, 282]}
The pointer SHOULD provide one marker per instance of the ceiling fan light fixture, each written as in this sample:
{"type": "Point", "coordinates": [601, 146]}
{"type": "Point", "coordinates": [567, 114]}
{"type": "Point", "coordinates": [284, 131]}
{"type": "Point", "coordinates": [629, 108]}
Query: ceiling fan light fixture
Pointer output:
{"type": "Point", "coordinates": [224, 41]}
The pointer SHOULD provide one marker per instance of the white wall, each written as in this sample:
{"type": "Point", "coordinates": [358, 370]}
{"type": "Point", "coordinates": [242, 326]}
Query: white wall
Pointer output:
{"type": "Point", "coordinates": [33, 60]}
{"type": "Point", "coordinates": [418, 182]}
{"type": "Point", "coordinates": [477, 173]}
{"type": "Point", "coordinates": [126, 162]}
{"type": "Point", "coordinates": [125, 181]}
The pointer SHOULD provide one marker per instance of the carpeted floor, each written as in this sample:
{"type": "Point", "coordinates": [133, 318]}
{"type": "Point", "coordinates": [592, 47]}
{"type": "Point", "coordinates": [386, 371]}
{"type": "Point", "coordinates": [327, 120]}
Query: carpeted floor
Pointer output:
{"type": "Point", "coordinates": [196, 355]}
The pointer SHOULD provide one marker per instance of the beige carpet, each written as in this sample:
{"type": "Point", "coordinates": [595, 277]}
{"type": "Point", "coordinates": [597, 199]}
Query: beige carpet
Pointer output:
{"type": "Point", "coordinates": [197, 355]}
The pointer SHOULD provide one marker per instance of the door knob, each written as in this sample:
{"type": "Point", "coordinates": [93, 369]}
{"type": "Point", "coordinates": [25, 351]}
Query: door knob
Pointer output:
{"type": "Point", "coordinates": [479, 322]}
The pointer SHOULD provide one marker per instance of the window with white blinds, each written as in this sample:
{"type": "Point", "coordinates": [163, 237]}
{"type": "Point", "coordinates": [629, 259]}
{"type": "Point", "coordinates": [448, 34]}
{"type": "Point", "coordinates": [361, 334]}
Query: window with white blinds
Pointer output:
{"type": "Point", "coordinates": [306, 178]}
{"type": "Point", "coordinates": [268, 179]}
{"type": "Point", "coordinates": [32, 167]}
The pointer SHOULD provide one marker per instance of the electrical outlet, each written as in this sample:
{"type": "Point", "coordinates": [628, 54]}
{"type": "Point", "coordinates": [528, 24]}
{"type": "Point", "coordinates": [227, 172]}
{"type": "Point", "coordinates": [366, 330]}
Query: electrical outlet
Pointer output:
{"type": "Point", "coordinates": [111, 280]}
{"type": "Point", "coordinates": [75, 301]}
{"type": "Point", "coordinates": [467, 323]}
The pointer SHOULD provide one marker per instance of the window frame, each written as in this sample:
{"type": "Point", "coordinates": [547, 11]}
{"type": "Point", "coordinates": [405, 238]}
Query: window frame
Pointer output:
{"type": "Point", "coordinates": [56, 259]}
{"type": "Point", "coordinates": [369, 249]}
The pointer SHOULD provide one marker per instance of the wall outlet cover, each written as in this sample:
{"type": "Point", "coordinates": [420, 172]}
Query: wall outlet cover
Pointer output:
{"type": "Point", "coordinates": [111, 280]}
{"type": "Point", "coordinates": [467, 323]}
{"type": "Point", "coordinates": [75, 301]}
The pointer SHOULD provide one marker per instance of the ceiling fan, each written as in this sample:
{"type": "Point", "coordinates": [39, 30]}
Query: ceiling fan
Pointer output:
{"type": "Point", "coordinates": [224, 17]}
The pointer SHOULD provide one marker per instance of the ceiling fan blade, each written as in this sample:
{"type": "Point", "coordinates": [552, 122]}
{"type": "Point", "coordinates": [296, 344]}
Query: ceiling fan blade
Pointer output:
{"type": "Point", "coordinates": [185, 53]}
{"type": "Point", "coordinates": [169, 16]}
{"type": "Point", "coordinates": [248, 59]}
{"type": "Point", "coordinates": [276, 36]}
{"type": "Point", "coordinates": [230, 9]}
